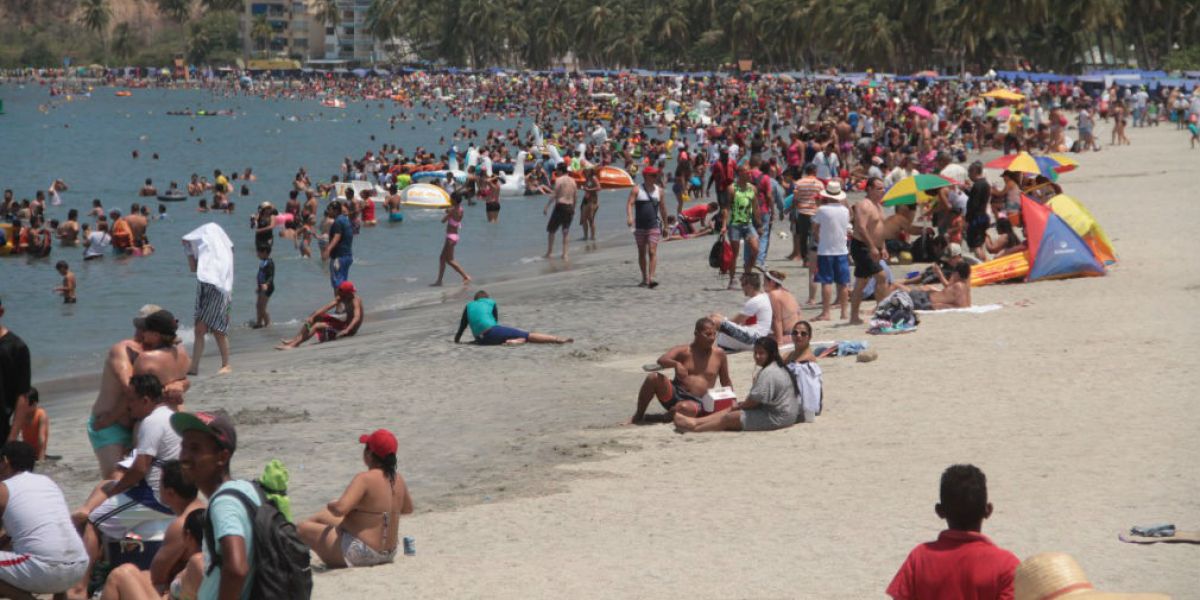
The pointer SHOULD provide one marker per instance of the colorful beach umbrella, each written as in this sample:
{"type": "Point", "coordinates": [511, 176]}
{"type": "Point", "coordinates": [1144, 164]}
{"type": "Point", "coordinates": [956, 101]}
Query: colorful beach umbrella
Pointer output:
{"type": "Point", "coordinates": [1065, 163]}
{"type": "Point", "coordinates": [1002, 113]}
{"type": "Point", "coordinates": [1024, 162]}
{"type": "Point", "coordinates": [909, 189]}
{"type": "Point", "coordinates": [920, 111]}
{"type": "Point", "coordinates": [1006, 95]}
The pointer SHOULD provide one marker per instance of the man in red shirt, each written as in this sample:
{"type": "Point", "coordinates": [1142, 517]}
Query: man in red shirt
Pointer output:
{"type": "Point", "coordinates": [963, 563]}
{"type": "Point", "coordinates": [723, 173]}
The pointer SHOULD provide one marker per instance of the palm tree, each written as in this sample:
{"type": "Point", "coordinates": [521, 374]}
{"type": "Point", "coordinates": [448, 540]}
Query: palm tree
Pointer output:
{"type": "Point", "coordinates": [95, 15]}
{"type": "Point", "coordinates": [123, 41]}
{"type": "Point", "coordinates": [384, 18]}
{"type": "Point", "coordinates": [221, 5]}
{"type": "Point", "coordinates": [261, 32]}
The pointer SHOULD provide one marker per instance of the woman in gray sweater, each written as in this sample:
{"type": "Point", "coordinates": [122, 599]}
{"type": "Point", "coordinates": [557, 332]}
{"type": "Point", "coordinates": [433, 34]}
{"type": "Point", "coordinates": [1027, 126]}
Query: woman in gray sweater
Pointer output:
{"type": "Point", "coordinates": [771, 404]}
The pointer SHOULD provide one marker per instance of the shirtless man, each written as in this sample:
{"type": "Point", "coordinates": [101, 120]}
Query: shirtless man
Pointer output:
{"type": "Point", "coordinates": [137, 223]}
{"type": "Point", "coordinates": [163, 356]}
{"type": "Point", "coordinates": [867, 246]}
{"type": "Point", "coordinates": [148, 190]}
{"type": "Point", "coordinates": [785, 311]}
{"type": "Point", "coordinates": [697, 366]}
{"type": "Point", "coordinates": [955, 292]}
{"type": "Point", "coordinates": [326, 326]}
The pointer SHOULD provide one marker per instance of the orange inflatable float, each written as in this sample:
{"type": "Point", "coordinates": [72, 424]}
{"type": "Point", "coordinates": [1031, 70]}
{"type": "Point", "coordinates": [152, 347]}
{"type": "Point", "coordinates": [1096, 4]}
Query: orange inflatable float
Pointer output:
{"type": "Point", "coordinates": [611, 178]}
{"type": "Point", "coordinates": [415, 168]}
{"type": "Point", "coordinates": [124, 93]}
{"type": "Point", "coordinates": [1013, 266]}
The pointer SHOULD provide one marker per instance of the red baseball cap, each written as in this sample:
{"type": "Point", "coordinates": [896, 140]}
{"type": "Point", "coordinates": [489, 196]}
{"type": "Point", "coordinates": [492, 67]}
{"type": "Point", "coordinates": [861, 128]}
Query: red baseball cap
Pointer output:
{"type": "Point", "coordinates": [347, 287]}
{"type": "Point", "coordinates": [650, 171]}
{"type": "Point", "coordinates": [381, 443]}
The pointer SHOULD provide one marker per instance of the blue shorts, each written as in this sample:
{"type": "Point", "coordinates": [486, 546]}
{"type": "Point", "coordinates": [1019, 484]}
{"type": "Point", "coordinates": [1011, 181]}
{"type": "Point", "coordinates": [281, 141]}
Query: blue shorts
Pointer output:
{"type": "Point", "coordinates": [741, 232]}
{"type": "Point", "coordinates": [339, 270]}
{"type": "Point", "coordinates": [500, 334]}
{"type": "Point", "coordinates": [833, 269]}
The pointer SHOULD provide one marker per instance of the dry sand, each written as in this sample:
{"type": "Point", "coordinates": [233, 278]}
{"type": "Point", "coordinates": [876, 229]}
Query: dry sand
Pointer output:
{"type": "Point", "coordinates": [1076, 406]}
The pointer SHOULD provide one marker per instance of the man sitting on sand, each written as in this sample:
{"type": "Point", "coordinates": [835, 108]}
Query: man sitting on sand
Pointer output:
{"type": "Point", "coordinates": [326, 326]}
{"type": "Point", "coordinates": [740, 332]}
{"type": "Point", "coordinates": [482, 316]}
{"type": "Point", "coordinates": [955, 292]}
{"type": "Point", "coordinates": [698, 366]}
{"type": "Point", "coordinates": [962, 563]}
{"type": "Point", "coordinates": [785, 311]}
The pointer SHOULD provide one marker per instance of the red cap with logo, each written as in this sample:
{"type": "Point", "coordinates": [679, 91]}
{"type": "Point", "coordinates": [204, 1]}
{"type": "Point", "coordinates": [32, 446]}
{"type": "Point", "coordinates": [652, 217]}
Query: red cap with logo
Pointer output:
{"type": "Point", "coordinates": [381, 443]}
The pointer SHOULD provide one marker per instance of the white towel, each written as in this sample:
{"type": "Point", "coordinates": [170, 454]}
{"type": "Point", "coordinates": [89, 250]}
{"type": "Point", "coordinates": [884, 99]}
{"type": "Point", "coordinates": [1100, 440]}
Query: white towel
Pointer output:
{"type": "Point", "coordinates": [214, 256]}
{"type": "Point", "coordinates": [977, 309]}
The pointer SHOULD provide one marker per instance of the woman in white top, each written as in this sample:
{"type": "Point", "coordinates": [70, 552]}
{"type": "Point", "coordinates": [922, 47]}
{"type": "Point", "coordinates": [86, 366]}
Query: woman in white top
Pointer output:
{"type": "Point", "coordinates": [771, 403]}
{"type": "Point", "coordinates": [802, 364]}
{"type": "Point", "coordinates": [98, 242]}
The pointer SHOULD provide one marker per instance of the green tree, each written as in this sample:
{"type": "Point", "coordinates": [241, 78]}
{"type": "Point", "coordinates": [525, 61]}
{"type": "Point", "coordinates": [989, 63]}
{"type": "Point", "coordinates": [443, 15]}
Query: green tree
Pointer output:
{"type": "Point", "coordinates": [262, 32]}
{"type": "Point", "coordinates": [95, 15]}
{"type": "Point", "coordinates": [124, 41]}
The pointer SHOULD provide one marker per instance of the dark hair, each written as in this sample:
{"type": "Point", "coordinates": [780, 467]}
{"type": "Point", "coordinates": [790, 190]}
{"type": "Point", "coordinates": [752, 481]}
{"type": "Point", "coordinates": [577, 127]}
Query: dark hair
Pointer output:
{"type": "Point", "coordinates": [147, 385]}
{"type": "Point", "coordinates": [481, 294]}
{"type": "Point", "coordinates": [964, 270]}
{"type": "Point", "coordinates": [810, 169]}
{"type": "Point", "coordinates": [963, 496]}
{"type": "Point", "coordinates": [33, 397]}
{"type": "Point", "coordinates": [193, 524]}
{"type": "Point", "coordinates": [871, 181]}
{"type": "Point", "coordinates": [704, 322]}
{"type": "Point", "coordinates": [62, 264]}
{"type": "Point", "coordinates": [807, 327]}
{"type": "Point", "coordinates": [771, 347]}
{"type": "Point", "coordinates": [975, 169]}
{"type": "Point", "coordinates": [172, 479]}
{"type": "Point", "coordinates": [20, 455]}
{"type": "Point", "coordinates": [753, 280]}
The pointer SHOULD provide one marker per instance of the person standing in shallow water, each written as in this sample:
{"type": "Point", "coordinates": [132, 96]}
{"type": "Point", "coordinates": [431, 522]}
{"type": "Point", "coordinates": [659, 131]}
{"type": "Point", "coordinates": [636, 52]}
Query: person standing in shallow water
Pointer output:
{"type": "Point", "coordinates": [453, 221]}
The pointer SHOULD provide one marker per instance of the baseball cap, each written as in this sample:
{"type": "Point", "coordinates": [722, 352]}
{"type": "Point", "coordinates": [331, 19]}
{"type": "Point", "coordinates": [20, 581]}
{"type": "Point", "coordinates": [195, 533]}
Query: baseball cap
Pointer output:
{"type": "Point", "coordinates": [216, 424]}
{"type": "Point", "coordinates": [140, 320]}
{"type": "Point", "coordinates": [381, 442]}
{"type": "Point", "coordinates": [160, 321]}
{"type": "Point", "coordinates": [347, 287]}
{"type": "Point", "coordinates": [650, 171]}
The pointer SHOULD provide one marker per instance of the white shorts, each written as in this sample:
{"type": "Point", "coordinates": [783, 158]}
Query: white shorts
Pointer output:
{"type": "Point", "coordinates": [37, 576]}
{"type": "Point", "coordinates": [122, 514]}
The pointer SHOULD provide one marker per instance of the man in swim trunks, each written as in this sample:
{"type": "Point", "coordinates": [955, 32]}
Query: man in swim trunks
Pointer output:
{"type": "Point", "coordinates": [955, 292]}
{"type": "Point", "coordinates": [698, 366]}
{"type": "Point", "coordinates": [163, 356]}
{"type": "Point", "coordinates": [563, 201]}
{"type": "Point", "coordinates": [867, 246]}
{"type": "Point", "coordinates": [326, 326]}
{"type": "Point", "coordinates": [482, 315]}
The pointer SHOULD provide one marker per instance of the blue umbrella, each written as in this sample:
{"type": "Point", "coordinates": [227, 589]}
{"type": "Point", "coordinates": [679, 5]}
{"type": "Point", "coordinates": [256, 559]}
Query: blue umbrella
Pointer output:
{"type": "Point", "coordinates": [359, 72]}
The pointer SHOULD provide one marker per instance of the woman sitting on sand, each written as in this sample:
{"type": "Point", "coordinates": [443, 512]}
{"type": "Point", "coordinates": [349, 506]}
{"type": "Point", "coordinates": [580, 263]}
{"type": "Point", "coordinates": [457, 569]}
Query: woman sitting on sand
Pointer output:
{"type": "Point", "coordinates": [802, 364]}
{"type": "Point", "coordinates": [1006, 241]}
{"type": "Point", "coordinates": [360, 529]}
{"type": "Point", "coordinates": [771, 404]}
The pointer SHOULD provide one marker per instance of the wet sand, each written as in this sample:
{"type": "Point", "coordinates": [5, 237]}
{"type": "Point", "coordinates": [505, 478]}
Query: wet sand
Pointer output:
{"type": "Point", "coordinates": [1077, 406]}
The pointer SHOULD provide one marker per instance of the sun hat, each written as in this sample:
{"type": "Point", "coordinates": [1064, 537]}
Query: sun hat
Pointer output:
{"type": "Point", "coordinates": [833, 190]}
{"type": "Point", "coordinates": [140, 320]}
{"type": "Point", "coordinates": [216, 424]}
{"type": "Point", "coordinates": [1053, 575]}
{"type": "Point", "coordinates": [380, 442]}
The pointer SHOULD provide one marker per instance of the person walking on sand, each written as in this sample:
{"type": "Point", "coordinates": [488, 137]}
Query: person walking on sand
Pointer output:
{"type": "Point", "coordinates": [867, 246]}
{"type": "Point", "coordinates": [741, 221]}
{"type": "Point", "coordinates": [563, 201]}
{"type": "Point", "coordinates": [646, 213]}
{"type": "Point", "coordinates": [830, 226]}
{"type": "Point", "coordinates": [210, 257]}
{"type": "Point", "coordinates": [453, 221]}
{"type": "Point", "coordinates": [361, 528]}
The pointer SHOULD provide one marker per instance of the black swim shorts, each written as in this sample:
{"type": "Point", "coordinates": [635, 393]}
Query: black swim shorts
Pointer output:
{"type": "Point", "coordinates": [864, 266]}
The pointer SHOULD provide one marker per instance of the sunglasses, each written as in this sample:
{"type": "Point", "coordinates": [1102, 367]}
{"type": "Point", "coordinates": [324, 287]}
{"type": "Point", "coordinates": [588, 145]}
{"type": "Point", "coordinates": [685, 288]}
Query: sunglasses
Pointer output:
{"type": "Point", "coordinates": [799, 333]}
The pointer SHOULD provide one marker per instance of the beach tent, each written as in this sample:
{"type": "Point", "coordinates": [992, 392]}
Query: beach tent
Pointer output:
{"type": "Point", "coordinates": [1081, 220]}
{"type": "Point", "coordinates": [1055, 250]}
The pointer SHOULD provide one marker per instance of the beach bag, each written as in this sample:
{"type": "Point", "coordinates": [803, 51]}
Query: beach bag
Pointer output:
{"type": "Point", "coordinates": [281, 560]}
{"type": "Point", "coordinates": [726, 257]}
{"type": "Point", "coordinates": [714, 255]}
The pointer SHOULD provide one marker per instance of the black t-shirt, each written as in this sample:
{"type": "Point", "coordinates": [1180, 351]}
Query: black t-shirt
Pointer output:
{"type": "Point", "coordinates": [264, 239]}
{"type": "Point", "coordinates": [977, 201]}
{"type": "Point", "coordinates": [14, 372]}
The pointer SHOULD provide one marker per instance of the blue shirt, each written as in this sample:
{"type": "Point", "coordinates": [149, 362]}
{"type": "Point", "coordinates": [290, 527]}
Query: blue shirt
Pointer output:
{"type": "Point", "coordinates": [341, 225]}
{"type": "Point", "coordinates": [229, 517]}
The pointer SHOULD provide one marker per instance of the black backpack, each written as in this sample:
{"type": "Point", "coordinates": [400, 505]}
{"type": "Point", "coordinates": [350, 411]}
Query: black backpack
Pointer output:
{"type": "Point", "coordinates": [714, 255]}
{"type": "Point", "coordinates": [281, 560]}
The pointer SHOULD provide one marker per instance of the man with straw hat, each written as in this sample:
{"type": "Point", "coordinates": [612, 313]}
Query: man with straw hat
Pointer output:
{"type": "Point", "coordinates": [1056, 575]}
{"type": "Point", "coordinates": [962, 563]}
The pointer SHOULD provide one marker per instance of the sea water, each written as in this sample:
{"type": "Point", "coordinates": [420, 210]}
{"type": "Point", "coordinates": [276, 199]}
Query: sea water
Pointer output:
{"type": "Point", "coordinates": [88, 143]}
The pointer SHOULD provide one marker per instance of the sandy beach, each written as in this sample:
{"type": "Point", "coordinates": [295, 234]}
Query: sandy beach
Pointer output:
{"type": "Point", "coordinates": [1075, 404]}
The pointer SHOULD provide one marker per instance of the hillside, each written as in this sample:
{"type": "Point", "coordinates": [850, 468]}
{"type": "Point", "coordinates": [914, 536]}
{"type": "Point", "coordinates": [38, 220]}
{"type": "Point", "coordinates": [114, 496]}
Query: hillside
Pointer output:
{"type": "Point", "coordinates": [32, 15]}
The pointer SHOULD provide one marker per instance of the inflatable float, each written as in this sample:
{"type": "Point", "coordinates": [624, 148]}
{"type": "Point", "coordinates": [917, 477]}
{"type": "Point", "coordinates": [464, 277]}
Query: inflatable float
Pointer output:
{"type": "Point", "coordinates": [339, 190]}
{"type": "Point", "coordinates": [172, 196]}
{"type": "Point", "coordinates": [611, 178]}
{"type": "Point", "coordinates": [1005, 268]}
{"type": "Point", "coordinates": [124, 94]}
{"type": "Point", "coordinates": [424, 195]}
{"type": "Point", "coordinates": [9, 233]}
{"type": "Point", "coordinates": [459, 176]}
{"type": "Point", "coordinates": [333, 103]}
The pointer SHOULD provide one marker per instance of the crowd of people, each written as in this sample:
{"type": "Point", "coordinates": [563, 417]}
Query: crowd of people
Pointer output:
{"type": "Point", "coordinates": [742, 156]}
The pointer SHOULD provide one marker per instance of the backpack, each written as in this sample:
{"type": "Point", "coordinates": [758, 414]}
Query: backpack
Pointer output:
{"type": "Point", "coordinates": [714, 255]}
{"type": "Point", "coordinates": [281, 560]}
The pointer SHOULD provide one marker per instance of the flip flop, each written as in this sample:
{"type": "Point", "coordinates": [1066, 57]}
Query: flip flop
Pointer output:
{"type": "Point", "coordinates": [652, 367]}
{"type": "Point", "coordinates": [1180, 537]}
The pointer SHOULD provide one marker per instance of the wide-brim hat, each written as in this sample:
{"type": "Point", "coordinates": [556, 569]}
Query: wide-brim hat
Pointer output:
{"type": "Point", "coordinates": [1054, 575]}
{"type": "Point", "coordinates": [833, 190]}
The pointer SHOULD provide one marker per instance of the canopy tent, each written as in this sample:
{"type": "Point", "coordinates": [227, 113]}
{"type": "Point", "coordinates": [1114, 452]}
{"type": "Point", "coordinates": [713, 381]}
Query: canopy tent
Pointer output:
{"type": "Point", "coordinates": [1055, 250]}
{"type": "Point", "coordinates": [1081, 220]}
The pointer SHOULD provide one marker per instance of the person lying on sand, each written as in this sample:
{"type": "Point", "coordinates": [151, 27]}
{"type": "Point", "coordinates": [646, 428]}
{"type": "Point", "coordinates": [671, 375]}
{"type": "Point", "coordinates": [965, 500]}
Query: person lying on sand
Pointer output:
{"type": "Point", "coordinates": [955, 292]}
{"type": "Point", "coordinates": [483, 317]}
{"type": "Point", "coordinates": [771, 404]}
{"type": "Point", "coordinates": [326, 326]}
{"type": "Point", "coordinates": [962, 562]}
{"type": "Point", "coordinates": [361, 528]}
{"type": "Point", "coordinates": [697, 365]}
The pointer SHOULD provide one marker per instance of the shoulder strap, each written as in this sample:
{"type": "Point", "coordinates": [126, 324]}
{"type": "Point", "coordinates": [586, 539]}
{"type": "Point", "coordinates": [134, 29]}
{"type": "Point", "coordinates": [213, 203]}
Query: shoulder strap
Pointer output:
{"type": "Point", "coordinates": [210, 536]}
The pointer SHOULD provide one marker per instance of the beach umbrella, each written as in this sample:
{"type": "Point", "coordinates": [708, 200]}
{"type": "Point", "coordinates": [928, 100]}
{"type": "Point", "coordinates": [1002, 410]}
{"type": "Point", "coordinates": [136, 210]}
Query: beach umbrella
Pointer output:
{"type": "Point", "coordinates": [908, 190]}
{"type": "Point", "coordinates": [920, 111]}
{"type": "Point", "coordinates": [1065, 163]}
{"type": "Point", "coordinates": [1006, 95]}
{"type": "Point", "coordinates": [1024, 162]}
{"type": "Point", "coordinates": [1002, 113]}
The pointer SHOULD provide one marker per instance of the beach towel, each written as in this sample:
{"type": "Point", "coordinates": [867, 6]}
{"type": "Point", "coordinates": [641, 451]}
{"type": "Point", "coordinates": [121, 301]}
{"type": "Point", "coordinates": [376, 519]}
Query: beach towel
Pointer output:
{"type": "Point", "coordinates": [976, 310]}
{"type": "Point", "coordinates": [839, 348]}
{"type": "Point", "coordinates": [213, 251]}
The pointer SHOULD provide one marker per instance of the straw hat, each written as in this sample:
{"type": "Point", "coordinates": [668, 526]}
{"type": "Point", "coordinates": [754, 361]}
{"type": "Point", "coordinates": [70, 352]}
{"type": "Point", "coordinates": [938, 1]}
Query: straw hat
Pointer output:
{"type": "Point", "coordinates": [1052, 575]}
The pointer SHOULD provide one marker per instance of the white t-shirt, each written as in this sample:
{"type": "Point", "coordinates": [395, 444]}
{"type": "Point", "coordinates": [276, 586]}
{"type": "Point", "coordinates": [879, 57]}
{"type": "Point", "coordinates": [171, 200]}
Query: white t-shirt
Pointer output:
{"type": "Point", "coordinates": [156, 438]}
{"type": "Point", "coordinates": [956, 172]}
{"type": "Point", "coordinates": [98, 243]}
{"type": "Point", "coordinates": [834, 221]}
{"type": "Point", "coordinates": [759, 307]}
{"type": "Point", "coordinates": [827, 165]}
{"type": "Point", "coordinates": [38, 520]}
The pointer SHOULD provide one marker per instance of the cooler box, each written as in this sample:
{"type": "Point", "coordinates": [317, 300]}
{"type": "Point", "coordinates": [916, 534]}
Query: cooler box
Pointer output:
{"type": "Point", "coordinates": [717, 399]}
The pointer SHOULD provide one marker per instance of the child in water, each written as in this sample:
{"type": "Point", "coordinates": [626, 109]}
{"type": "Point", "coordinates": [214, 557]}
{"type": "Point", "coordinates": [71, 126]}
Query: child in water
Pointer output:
{"type": "Point", "coordinates": [67, 289]}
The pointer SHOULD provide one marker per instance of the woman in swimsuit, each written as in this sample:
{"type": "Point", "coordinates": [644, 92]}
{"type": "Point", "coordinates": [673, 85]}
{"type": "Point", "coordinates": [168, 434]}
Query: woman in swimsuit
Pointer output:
{"type": "Point", "coordinates": [591, 203]}
{"type": "Point", "coordinates": [361, 528]}
{"type": "Point", "coordinates": [453, 221]}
